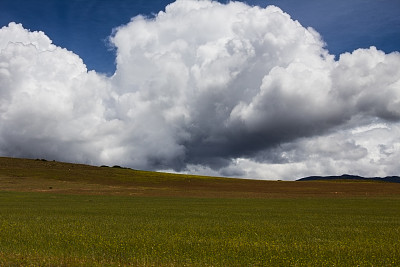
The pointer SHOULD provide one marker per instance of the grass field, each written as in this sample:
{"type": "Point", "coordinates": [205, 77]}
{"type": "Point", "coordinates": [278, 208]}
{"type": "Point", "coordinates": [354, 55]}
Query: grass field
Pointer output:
{"type": "Point", "coordinates": [114, 217]}
{"type": "Point", "coordinates": [26, 175]}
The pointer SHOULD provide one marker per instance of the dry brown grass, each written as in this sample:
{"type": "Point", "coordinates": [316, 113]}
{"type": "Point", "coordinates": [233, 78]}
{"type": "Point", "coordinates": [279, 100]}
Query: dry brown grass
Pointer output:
{"type": "Point", "coordinates": [27, 175]}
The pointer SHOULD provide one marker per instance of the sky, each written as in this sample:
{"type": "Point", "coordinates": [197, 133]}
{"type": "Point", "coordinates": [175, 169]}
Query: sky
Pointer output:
{"type": "Point", "coordinates": [260, 89]}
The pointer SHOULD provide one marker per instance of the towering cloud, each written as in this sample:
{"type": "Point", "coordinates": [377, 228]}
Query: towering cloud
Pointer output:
{"type": "Point", "coordinates": [209, 88]}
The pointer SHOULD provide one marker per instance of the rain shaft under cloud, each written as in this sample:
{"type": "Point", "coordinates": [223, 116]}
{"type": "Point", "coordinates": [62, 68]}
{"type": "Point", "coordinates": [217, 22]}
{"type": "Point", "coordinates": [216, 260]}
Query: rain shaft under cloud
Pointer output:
{"type": "Point", "coordinates": [208, 88]}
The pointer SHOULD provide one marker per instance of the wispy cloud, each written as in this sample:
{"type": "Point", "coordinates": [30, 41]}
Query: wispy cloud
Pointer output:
{"type": "Point", "coordinates": [209, 88]}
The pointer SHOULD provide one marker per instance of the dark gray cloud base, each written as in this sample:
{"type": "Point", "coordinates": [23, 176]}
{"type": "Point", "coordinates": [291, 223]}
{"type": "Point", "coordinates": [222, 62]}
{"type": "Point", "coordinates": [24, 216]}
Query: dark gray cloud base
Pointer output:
{"type": "Point", "coordinates": [208, 88]}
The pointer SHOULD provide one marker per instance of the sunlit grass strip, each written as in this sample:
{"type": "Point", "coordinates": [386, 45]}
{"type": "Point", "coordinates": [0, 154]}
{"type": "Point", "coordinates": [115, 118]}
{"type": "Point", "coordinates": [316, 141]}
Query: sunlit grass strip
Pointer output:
{"type": "Point", "coordinates": [42, 229]}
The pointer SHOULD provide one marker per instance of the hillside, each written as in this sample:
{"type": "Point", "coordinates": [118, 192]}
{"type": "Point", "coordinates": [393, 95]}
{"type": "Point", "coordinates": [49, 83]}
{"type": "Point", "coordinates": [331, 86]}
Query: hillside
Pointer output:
{"type": "Point", "coordinates": [354, 178]}
{"type": "Point", "coordinates": [29, 175]}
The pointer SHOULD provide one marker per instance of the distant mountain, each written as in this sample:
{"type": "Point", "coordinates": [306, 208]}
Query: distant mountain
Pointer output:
{"type": "Point", "coordinates": [392, 179]}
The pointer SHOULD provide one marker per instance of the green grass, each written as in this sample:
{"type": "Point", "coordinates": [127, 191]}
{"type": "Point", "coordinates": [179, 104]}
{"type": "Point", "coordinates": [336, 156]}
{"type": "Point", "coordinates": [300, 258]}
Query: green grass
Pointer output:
{"type": "Point", "coordinates": [78, 230]}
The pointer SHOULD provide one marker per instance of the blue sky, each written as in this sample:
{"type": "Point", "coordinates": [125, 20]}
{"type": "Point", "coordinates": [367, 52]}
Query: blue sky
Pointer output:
{"type": "Point", "coordinates": [83, 26]}
{"type": "Point", "coordinates": [214, 88]}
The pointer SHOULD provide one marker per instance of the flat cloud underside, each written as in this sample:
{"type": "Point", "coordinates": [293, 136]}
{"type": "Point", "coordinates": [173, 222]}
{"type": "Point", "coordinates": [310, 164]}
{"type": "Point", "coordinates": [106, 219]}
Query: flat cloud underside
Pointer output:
{"type": "Point", "coordinates": [209, 88]}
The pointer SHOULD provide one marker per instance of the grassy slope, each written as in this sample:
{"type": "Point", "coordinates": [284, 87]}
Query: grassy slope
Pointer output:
{"type": "Point", "coordinates": [232, 222]}
{"type": "Point", "coordinates": [57, 177]}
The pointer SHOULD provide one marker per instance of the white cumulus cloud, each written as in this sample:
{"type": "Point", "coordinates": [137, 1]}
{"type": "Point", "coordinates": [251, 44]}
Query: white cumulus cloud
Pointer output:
{"type": "Point", "coordinates": [205, 87]}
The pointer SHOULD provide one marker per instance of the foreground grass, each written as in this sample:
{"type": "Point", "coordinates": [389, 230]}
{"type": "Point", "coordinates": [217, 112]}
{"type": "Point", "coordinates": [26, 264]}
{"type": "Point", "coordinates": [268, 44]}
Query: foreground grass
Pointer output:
{"type": "Point", "coordinates": [54, 229]}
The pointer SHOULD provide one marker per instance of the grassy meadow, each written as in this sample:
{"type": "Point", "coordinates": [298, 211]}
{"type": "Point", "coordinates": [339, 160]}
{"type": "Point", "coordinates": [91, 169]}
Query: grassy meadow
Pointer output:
{"type": "Point", "coordinates": [54, 219]}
